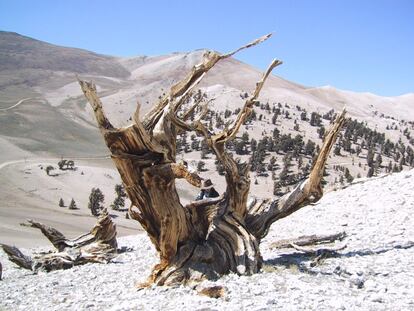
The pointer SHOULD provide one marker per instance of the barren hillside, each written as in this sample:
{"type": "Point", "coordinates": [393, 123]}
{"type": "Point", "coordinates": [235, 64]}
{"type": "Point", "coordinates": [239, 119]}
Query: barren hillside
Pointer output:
{"type": "Point", "coordinates": [44, 115]}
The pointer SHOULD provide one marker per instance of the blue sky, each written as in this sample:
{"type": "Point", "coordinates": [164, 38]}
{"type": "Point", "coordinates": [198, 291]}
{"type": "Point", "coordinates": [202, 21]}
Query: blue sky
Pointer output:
{"type": "Point", "coordinates": [365, 46]}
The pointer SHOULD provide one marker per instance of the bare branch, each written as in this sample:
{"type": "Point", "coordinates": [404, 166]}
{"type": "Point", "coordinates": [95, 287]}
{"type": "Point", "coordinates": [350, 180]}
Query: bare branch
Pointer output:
{"type": "Point", "coordinates": [16, 256]}
{"type": "Point", "coordinates": [308, 191]}
{"type": "Point", "coordinates": [248, 106]}
{"type": "Point", "coordinates": [181, 171]}
{"type": "Point", "coordinates": [89, 89]}
{"type": "Point", "coordinates": [316, 173]}
{"type": "Point", "coordinates": [253, 43]}
{"type": "Point", "coordinates": [198, 72]}
{"type": "Point", "coordinates": [58, 240]}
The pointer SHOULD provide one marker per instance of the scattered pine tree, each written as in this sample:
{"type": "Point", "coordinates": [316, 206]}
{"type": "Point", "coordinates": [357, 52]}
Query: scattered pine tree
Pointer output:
{"type": "Point", "coordinates": [96, 198]}
{"type": "Point", "coordinates": [72, 204]}
{"type": "Point", "coordinates": [119, 201]}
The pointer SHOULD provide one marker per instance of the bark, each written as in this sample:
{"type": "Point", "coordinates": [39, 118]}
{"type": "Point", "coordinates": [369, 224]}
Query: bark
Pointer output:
{"type": "Point", "coordinates": [208, 238]}
{"type": "Point", "coordinates": [99, 245]}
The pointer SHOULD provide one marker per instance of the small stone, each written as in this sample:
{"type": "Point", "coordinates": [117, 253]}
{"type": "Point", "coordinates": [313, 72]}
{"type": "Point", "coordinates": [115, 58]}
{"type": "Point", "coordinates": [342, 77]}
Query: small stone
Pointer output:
{"type": "Point", "coordinates": [213, 291]}
{"type": "Point", "coordinates": [271, 302]}
{"type": "Point", "coordinates": [378, 298]}
{"type": "Point", "coordinates": [357, 281]}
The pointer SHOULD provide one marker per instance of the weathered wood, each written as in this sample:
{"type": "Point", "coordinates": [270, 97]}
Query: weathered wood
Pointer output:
{"type": "Point", "coordinates": [319, 253]}
{"type": "Point", "coordinates": [306, 240]}
{"type": "Point", "coordinates": [208, 238]}
{"type": "Point", "coordinates": [99, 245]}
{"type": "Point", "coordinates": [17, 257]}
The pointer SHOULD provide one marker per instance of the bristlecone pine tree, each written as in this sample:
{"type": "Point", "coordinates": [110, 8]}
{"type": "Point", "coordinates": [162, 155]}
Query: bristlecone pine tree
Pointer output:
{"type": "Point", "coordinates": [96, 198]}
{"type": "Point", "coordinates": [208, 238]}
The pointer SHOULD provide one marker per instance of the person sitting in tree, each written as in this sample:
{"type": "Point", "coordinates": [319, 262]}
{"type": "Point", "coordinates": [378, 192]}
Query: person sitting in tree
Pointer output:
{"type": "Point", "coordinates": [207, 191]}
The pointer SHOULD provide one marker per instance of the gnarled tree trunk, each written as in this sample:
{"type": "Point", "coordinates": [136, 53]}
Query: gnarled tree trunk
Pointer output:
{"type": "Point", "coordinates": [208, 238]}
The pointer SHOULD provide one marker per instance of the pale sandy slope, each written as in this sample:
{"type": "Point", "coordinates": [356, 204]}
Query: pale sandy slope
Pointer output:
{"type": "Point", "coordinates": [374, 271]}
{"type": "Point", "coordinates": [28, 193]}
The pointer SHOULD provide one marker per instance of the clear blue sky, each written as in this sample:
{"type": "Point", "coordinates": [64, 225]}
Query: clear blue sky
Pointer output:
{"type": "Point", "coordinates": [355, 45]}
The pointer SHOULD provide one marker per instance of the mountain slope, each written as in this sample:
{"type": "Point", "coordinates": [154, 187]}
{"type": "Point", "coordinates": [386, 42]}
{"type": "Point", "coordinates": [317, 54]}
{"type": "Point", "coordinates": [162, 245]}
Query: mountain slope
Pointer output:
{"type": "Point", "coordinates": [20, 52]}
{"type": "Point", "coordinates": [373, 272]}
{"type": "Point", "coordinates": [45, 73]}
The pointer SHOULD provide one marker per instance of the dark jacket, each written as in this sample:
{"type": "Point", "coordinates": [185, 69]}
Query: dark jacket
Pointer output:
{"type": "Point", "coordinates": [207, 193]}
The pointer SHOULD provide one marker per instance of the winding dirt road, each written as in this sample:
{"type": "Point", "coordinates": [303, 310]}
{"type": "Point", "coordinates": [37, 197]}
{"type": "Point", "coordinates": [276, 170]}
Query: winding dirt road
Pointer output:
{"type": "Point", "coordinates": [17, 104]}
{"type": "Point", "coordinates": [7, 163]}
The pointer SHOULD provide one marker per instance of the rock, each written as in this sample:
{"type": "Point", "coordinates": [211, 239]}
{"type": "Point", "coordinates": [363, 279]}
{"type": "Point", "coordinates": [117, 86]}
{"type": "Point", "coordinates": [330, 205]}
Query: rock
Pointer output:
{"type": "Point", "coordinates": [271, 302]}
{"type": "Point", "coordinates": [377, 298]}
{"type": "Point", "coordinates": [213, 291]}
{"type": "Point", "coordinates": [357, 281]}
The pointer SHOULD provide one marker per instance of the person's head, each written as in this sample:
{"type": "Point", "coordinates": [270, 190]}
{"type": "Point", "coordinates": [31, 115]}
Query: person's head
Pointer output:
{"type": "Point", "coordinates": [207, 184]}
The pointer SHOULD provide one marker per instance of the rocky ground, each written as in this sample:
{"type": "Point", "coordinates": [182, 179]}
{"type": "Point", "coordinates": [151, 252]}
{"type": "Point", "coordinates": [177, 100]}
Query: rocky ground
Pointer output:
{"type": "Point", "coordinates": [374, 272]}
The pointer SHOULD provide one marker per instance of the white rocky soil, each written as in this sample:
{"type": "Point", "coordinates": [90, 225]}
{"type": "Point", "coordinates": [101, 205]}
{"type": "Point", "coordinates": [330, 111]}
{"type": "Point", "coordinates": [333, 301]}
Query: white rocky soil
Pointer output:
{"type": "Point", "coordinates": [374, 272]}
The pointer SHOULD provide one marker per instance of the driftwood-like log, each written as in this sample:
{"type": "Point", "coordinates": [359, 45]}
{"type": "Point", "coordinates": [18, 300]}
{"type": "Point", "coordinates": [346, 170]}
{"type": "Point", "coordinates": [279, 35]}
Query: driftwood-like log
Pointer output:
{"type": "Point", "coordinates": [99, 245]}
{"type": "Point", "coordinates": [319, 253]}
{"type": "Point", "coordinates": [208, 238]}
{"type": "Point", "coordinates": [307, 240]}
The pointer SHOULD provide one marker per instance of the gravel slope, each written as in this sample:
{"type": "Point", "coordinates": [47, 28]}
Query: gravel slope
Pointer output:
{"type": "Point", "coordinates": [374, 272]}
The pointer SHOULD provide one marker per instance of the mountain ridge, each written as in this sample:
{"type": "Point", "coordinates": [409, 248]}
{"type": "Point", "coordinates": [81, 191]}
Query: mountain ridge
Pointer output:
{"type": "Point", "coordinates": [145, 79]}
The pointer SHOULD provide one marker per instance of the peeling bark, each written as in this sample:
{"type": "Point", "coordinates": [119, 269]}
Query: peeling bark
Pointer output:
{"type": "Point", "coordinates": [203, 239]}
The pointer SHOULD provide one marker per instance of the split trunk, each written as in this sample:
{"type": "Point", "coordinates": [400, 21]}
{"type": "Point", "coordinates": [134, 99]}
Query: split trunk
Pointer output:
{"type": "Point", "coordinates": [208, 238]}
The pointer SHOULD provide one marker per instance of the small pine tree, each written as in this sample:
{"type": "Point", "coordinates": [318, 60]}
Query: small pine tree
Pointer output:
{"type": "Point", "coordinates": [96, 198]}
{"type": "Point", "coordinates": [61, 203]}
{"type": "Point", "coordinates": [277, 189]}
{"type": "Point", "coordinates": [370, 172]}
{"type": "Point", "coordinates": [72, 204]}
{"type": "Point", "coordinates": [119, 201]}
{"type": "Point", "coordinates": [201, 166]}
{"type": "Point", "coordinates": [219, 168]}
{"type": "Point", "coordinates": [296, 127]}
{"type": "Point", "coordinates": [49, 168]}
{"type": "Point", "coordinates": [204, 149]}
{"type": "Point", "coordinates": [337, 150]}
{"type": "Point", "coordinates": [61, 164]}
{"type": "Point", "coordinates": [348, 176]}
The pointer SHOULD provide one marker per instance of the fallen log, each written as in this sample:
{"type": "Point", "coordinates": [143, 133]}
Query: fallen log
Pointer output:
{"type": "Point", "coordinates": [99, 245]}
{"type": "Point", "coordinates": [306, 240]}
